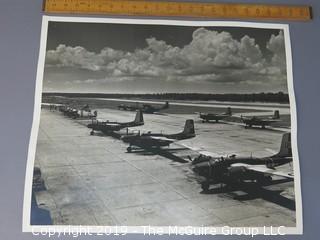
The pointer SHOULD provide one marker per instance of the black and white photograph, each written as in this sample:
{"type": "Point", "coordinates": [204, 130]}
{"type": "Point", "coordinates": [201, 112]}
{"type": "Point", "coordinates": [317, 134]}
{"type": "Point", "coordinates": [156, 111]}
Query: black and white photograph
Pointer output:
{"type": "Point", "coordinates": [163, 123]}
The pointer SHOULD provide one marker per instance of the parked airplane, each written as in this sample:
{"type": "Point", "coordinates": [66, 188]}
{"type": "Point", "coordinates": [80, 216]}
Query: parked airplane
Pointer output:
{"type": "Point", "coordinates": [129, 107]}
{"type": "Point", "coordinates": [63, 108]}
{"type": "Point", "coordinates": [259, 121]}
{"type": "Point", "coordinates": [66, 109]}
{"type": "Point", "coordinates": [206, 117]}
{"type": "Point", "coordinates": [107, 126]}
{"type": "Point", "coordinates": [156, 140]}
{"type": "Point", "coordinates": [146, 108]}
{"type": "Point", "coordinates": [232, 169]}
{"type": "Point", "coordinates": [84, 112]}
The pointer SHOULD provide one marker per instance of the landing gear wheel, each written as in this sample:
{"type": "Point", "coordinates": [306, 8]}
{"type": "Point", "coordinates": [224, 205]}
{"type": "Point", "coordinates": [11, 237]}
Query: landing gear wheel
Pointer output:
{"type": "Point", "coordinates": [129, 149]}
{"type": "Point", "coordinates": [205, 186]}
{"type": "Point", "coordinates": [263, 126]}
{"type": "Point", "coordinates": [91, 133]}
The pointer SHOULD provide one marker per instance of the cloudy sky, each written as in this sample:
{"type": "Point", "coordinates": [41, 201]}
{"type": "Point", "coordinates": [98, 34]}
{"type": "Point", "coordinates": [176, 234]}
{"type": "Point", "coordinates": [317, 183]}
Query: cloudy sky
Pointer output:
{"type": "Point", "coordinates": [125, 58]}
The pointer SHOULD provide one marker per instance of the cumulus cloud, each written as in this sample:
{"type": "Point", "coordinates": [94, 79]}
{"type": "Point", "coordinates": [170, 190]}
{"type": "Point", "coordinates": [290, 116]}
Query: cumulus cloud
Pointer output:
{"type": "Point", "coordinates": [67, 56]}
{"type": "Point", "coordinates": [220, 50]}
{"type": "Point", "coordinates": [276, 45]}
{"type": "Point", "coordinates": [211, 56]}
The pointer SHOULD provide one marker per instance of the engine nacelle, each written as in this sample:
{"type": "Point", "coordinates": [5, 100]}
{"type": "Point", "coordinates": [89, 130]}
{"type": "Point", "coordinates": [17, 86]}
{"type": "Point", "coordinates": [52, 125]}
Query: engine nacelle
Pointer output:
{"type": "Point", "coordinates": [237, 172]}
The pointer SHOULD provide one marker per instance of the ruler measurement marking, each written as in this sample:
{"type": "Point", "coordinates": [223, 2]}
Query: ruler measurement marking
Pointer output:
{"type": "Point", "coordinates": [183, 9]}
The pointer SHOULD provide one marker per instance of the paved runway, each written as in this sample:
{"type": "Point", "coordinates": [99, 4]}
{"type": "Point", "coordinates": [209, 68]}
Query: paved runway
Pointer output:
{"type": "Point", "coordinates": [91, 180]}
{"type": "Point", "coordinates": [283, 108]}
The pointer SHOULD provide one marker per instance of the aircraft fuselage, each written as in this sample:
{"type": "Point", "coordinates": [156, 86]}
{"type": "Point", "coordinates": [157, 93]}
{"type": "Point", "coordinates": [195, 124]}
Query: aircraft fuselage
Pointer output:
{"type": "Point", "coordinates": [220, 170]}
{"type": "Point", "coordinates": [212, 117]}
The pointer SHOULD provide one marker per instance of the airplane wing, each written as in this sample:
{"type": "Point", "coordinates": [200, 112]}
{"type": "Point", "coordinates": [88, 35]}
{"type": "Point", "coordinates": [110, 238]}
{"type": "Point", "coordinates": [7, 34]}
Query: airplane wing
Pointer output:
{"type": "Point", "coordinates": [265, 170]}
{"type": "Point", "coordinates": [200, 150]}
{"type": "Point", "coordinates": [105, 123]}
{"type": "Point", "coordinates": [270, 120]}
{"type": "Point", "coordinates": [159, 113]}
{"type": "Point", "coordinates": [196, 149]}
{"type": "Point", "coordinates": [163, 138]}
{"type": "Point", "coordinates": [209, 154]}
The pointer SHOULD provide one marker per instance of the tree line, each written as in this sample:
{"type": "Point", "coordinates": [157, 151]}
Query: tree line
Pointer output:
{"type": "Point", "coordinates": [278, 97]}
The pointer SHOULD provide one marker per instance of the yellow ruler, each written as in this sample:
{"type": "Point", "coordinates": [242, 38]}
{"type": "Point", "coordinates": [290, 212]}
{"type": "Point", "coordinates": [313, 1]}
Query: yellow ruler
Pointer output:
{"type": "Point", "coordinates": [179, 9]}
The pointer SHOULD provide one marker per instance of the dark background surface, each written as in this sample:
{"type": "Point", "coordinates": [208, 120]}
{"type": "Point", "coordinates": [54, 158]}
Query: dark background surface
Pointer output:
{"type": "Point", "coordinates": [20, 23]}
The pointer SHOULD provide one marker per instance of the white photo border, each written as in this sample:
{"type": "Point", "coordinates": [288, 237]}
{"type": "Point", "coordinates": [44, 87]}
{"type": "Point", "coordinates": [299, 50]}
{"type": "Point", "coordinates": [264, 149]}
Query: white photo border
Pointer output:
{"type": "Point", "coordinates": [27, 227]}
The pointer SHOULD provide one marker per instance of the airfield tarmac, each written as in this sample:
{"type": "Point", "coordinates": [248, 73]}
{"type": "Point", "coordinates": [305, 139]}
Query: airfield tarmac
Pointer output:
{"type": "Point", "coordinates": [92, 180]}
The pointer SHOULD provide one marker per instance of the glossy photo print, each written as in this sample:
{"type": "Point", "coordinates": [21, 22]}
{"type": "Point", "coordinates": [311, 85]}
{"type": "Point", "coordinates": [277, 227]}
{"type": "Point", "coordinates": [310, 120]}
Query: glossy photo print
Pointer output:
{"type": "Point", "coordinates": [159, 126]}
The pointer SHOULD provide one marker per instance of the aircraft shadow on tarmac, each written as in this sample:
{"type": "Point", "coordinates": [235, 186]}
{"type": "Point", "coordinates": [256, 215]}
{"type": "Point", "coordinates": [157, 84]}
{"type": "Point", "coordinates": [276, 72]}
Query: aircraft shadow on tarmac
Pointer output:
{"type": "Point", "coordinates": [143, 152]}
{"type": "Point", "coordinates": [212, 122]}
{"type": "Point", "coordinates": [110, 134]}
{"type": "Point", "coordinates": [167, 153]}
{"type": "Point", "coordinates": [250, 191]}
{"type": "Point", "coordinates": [269, 129]}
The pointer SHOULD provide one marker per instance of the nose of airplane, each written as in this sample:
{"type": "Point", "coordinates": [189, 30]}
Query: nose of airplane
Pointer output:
{"type": "Point", "coordinates": [201, 168]}
{"type": "Point", "coordinates": [195, 168]}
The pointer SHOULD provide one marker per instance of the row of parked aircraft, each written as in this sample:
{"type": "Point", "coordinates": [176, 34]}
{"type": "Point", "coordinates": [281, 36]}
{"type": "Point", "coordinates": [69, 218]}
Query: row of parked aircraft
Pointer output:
{"type": "Point", "coordinates": [146, 108]}
{"type": "Point", "coordinates": [141, 140]}
{"type": "Point", "coordinates": [209, 169]}
{"type": "Point", "coordinates": [248, 121]}
{"type": "Point", "coordinates": [233, 169]}
{"type": "Point", "coordinates": [207, 117]}
{"type": "Point", "coordinates": [73, 112]}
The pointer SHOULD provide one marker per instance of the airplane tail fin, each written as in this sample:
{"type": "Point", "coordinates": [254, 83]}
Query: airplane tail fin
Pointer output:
{"type": "Point", "coordinates": [229, 112]}
{"type": "Point", "coordinates": [285, 148]}
{"type": "Point", "coordinates": [188, 127]}
{"type": "Point", "coordinates": [139, 117]}
{"type": "Point", "coordinates": [276, 114]}
{"type": "Point", "coordinates": [166, 105]}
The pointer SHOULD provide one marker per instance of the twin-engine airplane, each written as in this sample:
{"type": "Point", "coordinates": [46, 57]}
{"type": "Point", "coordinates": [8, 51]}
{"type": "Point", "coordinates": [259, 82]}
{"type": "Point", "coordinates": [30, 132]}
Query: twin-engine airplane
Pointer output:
{"type": "Point", "coordinates": [206, 117]}
{"type": "Point", "coordinates": [157, 140]}
{"type": "Point", "coordinates": [232, 169]}
{"type": "Point", "coordinates": [107, 126]}
{"type": "Point", "coordinates": [146, 108]}
{"type": "Point", "coordinates": [260, 121]}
